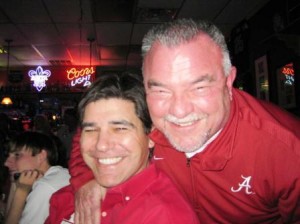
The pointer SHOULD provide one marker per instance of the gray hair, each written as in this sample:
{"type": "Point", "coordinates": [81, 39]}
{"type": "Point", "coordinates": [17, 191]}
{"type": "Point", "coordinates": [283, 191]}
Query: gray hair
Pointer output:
{"type": "Point", "coordinates": [182, 31]}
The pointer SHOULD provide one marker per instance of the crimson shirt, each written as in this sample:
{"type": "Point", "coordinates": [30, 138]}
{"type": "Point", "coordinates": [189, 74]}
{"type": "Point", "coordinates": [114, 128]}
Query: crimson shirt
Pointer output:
{"type": "Point", "coordinates": [249, 174]}
{"type": "Point", "coordinates": [147, 198]}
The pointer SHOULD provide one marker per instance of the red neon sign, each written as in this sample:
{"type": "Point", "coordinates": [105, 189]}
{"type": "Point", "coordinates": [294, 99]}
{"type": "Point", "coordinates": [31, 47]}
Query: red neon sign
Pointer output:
{"type": "Point", "coordinates": [288, 72]}
{"type": "Point", "coordinates": [288, 69]}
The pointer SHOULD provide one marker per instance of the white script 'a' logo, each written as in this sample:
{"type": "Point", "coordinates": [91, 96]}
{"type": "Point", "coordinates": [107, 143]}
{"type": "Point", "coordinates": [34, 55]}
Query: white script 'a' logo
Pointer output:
{"type": "Point", "coordinates": [245, 184]}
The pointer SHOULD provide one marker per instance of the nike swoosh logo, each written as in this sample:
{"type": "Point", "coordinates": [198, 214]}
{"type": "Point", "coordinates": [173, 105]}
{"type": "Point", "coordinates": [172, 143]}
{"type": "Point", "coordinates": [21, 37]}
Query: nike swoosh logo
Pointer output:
{"type": "Point", "coordinates": [157, 158]}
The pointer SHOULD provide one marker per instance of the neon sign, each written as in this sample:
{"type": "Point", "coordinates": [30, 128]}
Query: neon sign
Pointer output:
{"type": "Point", "coordinates": [288, 72]}
{"type": "Point", "coordinates": [39, 77]}
{"type": "Point", "coordinates": [82, 76]}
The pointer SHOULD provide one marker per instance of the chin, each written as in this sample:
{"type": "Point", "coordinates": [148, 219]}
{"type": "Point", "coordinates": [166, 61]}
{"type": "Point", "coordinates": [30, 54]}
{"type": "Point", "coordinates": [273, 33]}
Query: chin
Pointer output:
{"type": "Point", "coordinates": [108, 183]}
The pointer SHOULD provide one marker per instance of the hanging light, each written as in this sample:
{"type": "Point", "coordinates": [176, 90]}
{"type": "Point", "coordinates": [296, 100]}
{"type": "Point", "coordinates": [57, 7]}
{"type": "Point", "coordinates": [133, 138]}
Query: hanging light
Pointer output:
{"type": "Point", "coordinates": [6, 101]}
{"type": "Point", "coordinates": [91, 40]}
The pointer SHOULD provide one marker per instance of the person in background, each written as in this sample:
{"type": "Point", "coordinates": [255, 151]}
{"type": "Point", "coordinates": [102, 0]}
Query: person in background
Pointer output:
{"type": "Point", "coordinates": [5, 135]}
{"type": "Point", "coordinates": [32, 158]}
{"type": "Point", "coordinates": [68, 129]}
{"type": "Point", "coordinates": [236, 158]}
{"type": "Point", "coordinates": [5, 183]}
{"type": "Point", "coordinates": [8, 129]}
{"type": "Point", "coordinates": [115, 145]}
{"type": "Point", "coordinates": [41, 124]}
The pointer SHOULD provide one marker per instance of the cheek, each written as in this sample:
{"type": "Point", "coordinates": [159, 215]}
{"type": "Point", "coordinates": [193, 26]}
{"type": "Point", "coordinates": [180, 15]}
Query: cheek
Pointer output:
{"type": "Point", "coordinates": [157, 107]}
{"type": "Point", "coordinates": [87, 144]}
{"type": "Point", "coordinates": [209, 104]}
{"type": "Point", "coordinates": [23, 164]}
{"type": "Point", "coordinates": [206, 106]}
{"type": "Point", "coordinates": [88, 160]}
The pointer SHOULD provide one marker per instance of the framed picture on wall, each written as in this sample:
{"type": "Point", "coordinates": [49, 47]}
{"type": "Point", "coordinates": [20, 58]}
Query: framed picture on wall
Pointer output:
{"type": "Point", "coordinates": [286, 86]}
{"type": "Point", "coordinates": [262, 80]}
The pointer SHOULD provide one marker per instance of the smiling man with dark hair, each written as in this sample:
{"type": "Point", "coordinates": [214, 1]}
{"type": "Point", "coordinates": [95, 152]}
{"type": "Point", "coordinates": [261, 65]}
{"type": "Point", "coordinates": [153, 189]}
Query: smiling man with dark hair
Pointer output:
{"type": "Point", "coordinates": [114, 143]}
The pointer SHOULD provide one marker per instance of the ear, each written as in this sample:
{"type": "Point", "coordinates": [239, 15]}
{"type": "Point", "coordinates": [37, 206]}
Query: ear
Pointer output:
{"type": "Point", "coordinates": [230, 80]}
{"type": "Point", "coordinates": [150, 144]}
{"type": "Point", "coordinates": [42, 156]}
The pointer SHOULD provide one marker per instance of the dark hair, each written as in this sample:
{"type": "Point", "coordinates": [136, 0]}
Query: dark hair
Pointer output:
{"type": "Point", "coordinates": [124, 86]}
{"type": "Point", "coordinates": [35, 142]}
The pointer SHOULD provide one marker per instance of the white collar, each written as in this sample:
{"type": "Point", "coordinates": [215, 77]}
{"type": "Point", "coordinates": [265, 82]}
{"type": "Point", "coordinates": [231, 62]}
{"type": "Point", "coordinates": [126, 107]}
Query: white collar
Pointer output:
{"type": "Point", "coordinates": [191, 154]}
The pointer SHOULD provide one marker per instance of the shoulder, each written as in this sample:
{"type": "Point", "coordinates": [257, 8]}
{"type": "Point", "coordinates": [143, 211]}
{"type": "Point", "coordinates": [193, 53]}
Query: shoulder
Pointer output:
{"type": "Point", "coordinates": [267, 118]}
{"type": "Point", "coordinates": [56, 177]}
{"type": "Point", "coordinates": [61, 204]}
{"type": "Point", "coordinates": [63, 196]}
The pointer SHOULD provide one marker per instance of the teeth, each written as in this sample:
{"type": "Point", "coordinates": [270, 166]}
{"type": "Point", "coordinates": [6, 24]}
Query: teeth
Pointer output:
{"type": "Point", "coordinates": [110, 161]}
{"type": "Point", "coordinates": [184, 124]}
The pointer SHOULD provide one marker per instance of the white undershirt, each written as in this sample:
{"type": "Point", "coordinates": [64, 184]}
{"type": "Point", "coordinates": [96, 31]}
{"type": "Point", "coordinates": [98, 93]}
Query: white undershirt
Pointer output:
{"type": "Point", "coordinates": [191, 154]}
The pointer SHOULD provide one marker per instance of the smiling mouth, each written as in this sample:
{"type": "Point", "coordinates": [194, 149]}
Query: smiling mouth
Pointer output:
{"type": "Point", "coordinates": [109, 161]}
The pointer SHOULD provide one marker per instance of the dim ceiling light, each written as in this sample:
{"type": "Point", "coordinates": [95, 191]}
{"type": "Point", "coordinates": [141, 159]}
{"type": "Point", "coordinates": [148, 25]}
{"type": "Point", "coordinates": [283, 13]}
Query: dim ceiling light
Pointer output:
{"type": "Point", "coordinates": [6, 101]}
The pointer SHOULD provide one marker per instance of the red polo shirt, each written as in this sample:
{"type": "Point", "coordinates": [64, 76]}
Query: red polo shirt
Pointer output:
{"type": "Point", "coordinates": [148, 197]}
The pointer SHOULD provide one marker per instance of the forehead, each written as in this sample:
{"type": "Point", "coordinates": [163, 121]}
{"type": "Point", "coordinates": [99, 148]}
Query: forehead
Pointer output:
{"type": "Point", "coordinates": [14, 149]}
{"type": "Point", "coordinates": [23, 151]}
{"type": "Point", "coordinates": [105, 110]}
{"type": "Point", "coordinates": [200, 51]}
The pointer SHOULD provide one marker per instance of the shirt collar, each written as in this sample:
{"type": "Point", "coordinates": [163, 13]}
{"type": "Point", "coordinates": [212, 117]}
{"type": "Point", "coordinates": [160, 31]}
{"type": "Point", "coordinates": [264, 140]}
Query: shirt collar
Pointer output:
{"type": "Point", "coordinates": [191, 154]}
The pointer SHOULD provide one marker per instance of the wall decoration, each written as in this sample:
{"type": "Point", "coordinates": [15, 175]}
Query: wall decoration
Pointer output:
{"type": "Point", "coordinates": [39, 77]}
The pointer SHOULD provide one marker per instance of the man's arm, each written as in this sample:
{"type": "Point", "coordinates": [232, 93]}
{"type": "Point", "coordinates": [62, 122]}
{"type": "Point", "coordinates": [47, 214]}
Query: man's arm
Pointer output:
{"type": "Point", "coordinates": [62, 205]}
{"type": "Point", "coordinates": [24, 185]}
{"type": "Point", "coordinates": [289, 189]}
{"type": "Point", "coordinates": [17, 206]}
{"type": "Point", "coordinates": [88, 203]}
{"type": "Point", "coordinates": [87, 191]}
{"type": "Point", "coordinates": [80, 173]}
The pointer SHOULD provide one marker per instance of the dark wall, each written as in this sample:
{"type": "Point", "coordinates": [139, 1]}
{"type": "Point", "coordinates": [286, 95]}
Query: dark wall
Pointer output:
{"type": "Point", "coordinates": [275, 32]}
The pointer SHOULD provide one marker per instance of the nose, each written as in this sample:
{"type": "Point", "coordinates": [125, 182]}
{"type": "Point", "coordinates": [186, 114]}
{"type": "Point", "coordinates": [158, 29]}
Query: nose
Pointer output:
{"type": "Point", "coordinates": [9, 162]}
{"type": "Point", "coordinates": [103, 141]}
{"type": "Point", "coordinates": [180, 105]}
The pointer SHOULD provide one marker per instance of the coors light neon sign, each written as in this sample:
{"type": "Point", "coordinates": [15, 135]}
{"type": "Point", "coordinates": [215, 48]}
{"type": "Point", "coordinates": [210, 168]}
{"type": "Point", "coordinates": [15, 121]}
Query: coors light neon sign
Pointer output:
{"type": "Point", "coordinates": [80, 77]}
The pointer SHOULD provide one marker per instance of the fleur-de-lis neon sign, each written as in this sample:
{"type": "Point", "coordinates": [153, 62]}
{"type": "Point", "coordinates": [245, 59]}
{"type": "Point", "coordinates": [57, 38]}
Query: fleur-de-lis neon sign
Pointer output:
{"type": "Point", "coordinates": [39, 77]}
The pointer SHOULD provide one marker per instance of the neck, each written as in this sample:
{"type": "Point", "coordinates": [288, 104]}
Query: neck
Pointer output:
{"type": "Point", "coordinates": [44, 168]}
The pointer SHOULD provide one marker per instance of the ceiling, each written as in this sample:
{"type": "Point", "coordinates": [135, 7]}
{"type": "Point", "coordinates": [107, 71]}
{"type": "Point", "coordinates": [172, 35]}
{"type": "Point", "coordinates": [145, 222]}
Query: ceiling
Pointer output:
{"type": "Point", "coordinates": [99, 32]}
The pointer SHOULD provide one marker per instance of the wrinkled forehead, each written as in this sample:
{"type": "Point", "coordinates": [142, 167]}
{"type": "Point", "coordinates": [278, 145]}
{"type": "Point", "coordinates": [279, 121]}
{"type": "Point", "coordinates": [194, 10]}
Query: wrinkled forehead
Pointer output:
{"type": "Point", "coordinates": [192, 56]}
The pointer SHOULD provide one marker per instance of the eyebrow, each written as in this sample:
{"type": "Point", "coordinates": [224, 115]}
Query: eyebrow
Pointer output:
{"type": "Point", "coordinates": [205, 77]}
{"type": "Point", "coordinates": [87, 124]}
{"type": "Point", "coordinates": [152, 83]}
{"type": "Point", "coordinates": [123, 122]}
{"type": "Point", "coordinates": [117, 122]}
